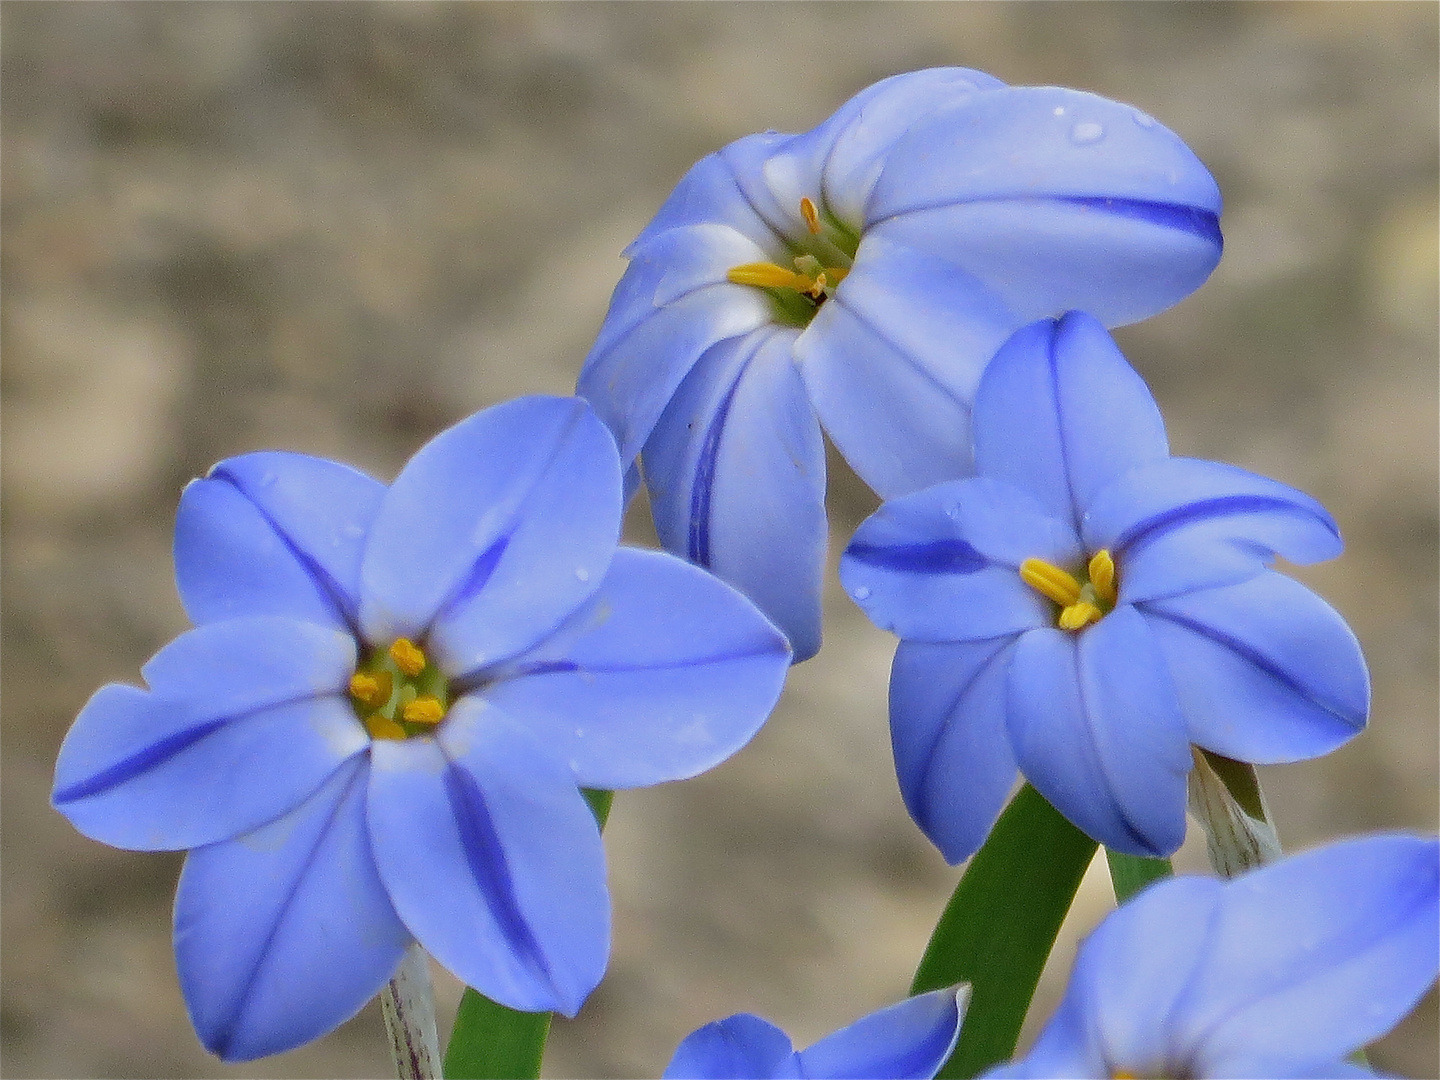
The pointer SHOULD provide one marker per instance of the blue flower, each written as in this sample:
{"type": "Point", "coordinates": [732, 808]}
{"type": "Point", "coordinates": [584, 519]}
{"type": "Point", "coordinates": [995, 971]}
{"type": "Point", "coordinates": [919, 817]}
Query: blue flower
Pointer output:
{"type": "Point", "coordinates": [864, 272]}
{"type": "Point", "coordinates": [1087, 607]}
{"type": "Point", "coordinates": [378, 730]}
{"type": "Point", "coordinates": [1280, 972]}
{"type": "Point", "coordinates": [911, 1039]}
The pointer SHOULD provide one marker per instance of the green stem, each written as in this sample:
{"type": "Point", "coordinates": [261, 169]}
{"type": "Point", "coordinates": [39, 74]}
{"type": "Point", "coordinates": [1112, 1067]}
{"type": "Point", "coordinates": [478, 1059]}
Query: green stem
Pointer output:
{"type": "Point", "coordinates": [1131, 873]}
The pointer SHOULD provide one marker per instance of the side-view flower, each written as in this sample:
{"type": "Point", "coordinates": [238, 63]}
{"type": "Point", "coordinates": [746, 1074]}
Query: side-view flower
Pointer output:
{"type": "Point", "coordinates": [859, 276]}
{"type": "Point", "coordinates": [1087, 607]}
{"type": "Point", "coordinates": [1280, 972]}
{"type": "Point", "coordinates": [908, 1041]}
{"type": "Point", "coordinates": [378, 730]}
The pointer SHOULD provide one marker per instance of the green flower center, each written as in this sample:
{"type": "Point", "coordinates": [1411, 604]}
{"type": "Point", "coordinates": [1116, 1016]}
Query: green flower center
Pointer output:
{"type": "Point", "coordinates": [398, 693]}
{"type": "Point", "coordinates": [1081, 603]}
{"type": "Point", "coordinates": [822, 258]}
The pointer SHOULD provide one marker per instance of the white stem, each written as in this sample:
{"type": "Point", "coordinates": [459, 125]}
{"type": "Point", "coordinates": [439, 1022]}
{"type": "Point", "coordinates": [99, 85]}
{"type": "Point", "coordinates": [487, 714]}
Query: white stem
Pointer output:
{"type": "Point", "coordinates": [409, 1008]}
{"type": "Point", "coordinates": [1235, 839]}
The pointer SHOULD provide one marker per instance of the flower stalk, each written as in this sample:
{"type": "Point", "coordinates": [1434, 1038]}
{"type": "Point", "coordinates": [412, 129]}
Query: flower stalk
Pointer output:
{"type": "Point", "coordinates": [1226, 799]}
{"type": "Point", "coordinates": [408, 1005]}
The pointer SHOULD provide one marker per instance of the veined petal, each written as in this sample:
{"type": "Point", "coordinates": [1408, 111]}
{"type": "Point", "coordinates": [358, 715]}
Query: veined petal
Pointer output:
{"type": "Point", "coordinates": [1178, 525]}
{"type": "Point", "coordinates": [1058, 199]}
{"type": "Point", "coordinates": [695, 256]}
{"type": "Point", "coordinates": [631, 380]}
{"type": "Point", "coordinates": [245, 720]}
{"type": "Point", "coordinates": [909, 1040]}
{"type": "Point", "coordinates": [741, 1047]}
{"type": "Point", "coordinates": [274, 534]}
{"type": "Point", "coordinates": [736, 472]}
{"type": "Point", "coordinates": [665, 674]}
{"type": "Point", "coordinates": [892, 361]}
{"type": "Point", "coordinates": [1060, 414]}
{"type": "Point", "coordinates": [949, 735]}
{"type": "Point", "coordinates": [311, 939]}
{"type": "Point", "coordinates": [493, 860]}
{"type": "Point", "coordinates": [941, 564]}
{"type": "Point", "coordinates": [1312, 957]}
{"type": "Point", "coordinates": [1265, 670]}
{"type": "Point", "coordinates": [1095, 727]}
{"type": "Point", "coordinates": [710, 192]}
{"type": "Point", "coordinates": [495, 531]}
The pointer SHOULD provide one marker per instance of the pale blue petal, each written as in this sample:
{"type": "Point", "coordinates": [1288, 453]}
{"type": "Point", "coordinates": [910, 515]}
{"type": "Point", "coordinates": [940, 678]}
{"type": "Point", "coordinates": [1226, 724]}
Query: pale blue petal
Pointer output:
{"type": "Point", "coordinates": [246, 719]}
{"type": "Point", "coordinates": [1178, 525]}
{"type": "Point", "coordinates": [942, 564]}
{"type": "Point", "coordinates": [696, 256]}
{"type": "Point", "coordinates": [1066, 1047]}
{"type": "Point", "coordinates": [741, 1047]}
{"type": "Point", "coordinates": [1060, 414]}
{"type": "Point", "coordinates": [948, 731]}
{"type": "Point", "coordinates": [633, 377]}
{"type": "Point", "coordinates": [494, 532]}
{"type": "Point", "coordinates": [1059, 200]}
{"type": "Point", "coordinates": [493, 860]}
{"type": "Point", "coordinates": [772, 171]}
{"type": "Point", "coordinates": [284, 933]}
{"type": "Point", "coordinates": [1096, 729]}
{"type": "Point", "coordinates": [907, 1041]}
{"type": "Point", "coordinates": [274, 534]}
{"type": "Point", "coordinates": [709, 192]}
{"type": "Point", "coordinates": [1314, 956]}
{"type": "Point", "coordinates": [736, 472]}
{"type": "Point", "coordinates": [892, 361]}
{"type": "Point", "coordinates": [1265, 670]}
{"type": "Point", "coordinates": [665, 674]}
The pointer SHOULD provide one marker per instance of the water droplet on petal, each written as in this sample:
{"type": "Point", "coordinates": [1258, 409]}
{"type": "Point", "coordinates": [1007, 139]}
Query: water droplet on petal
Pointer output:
{"type": "Point", "coordinates": [862, 593]}
{"type": "Point", "coordinates": [1059, 110]}
{"type": "Point", "coordinates": [581, 574]}
{"type": "Point", "coordinates": [1083, 134]}
{"type": "Point", "coordinates": [1145, 120]}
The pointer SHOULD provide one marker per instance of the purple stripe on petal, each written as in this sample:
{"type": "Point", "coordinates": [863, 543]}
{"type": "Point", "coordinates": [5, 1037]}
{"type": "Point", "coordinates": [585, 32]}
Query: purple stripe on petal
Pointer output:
{"type": "Point", "coordinates": [1205, 509]}
{"type": "Point", "coordinates": [1192, 219]}
{"type": "Point", "coordinates": [697, 548]}
{"type": "Point", "coordinates": [142, 761]}
{"type": "Point", "coordinates": [946, 556]}
{"type": "Point", "coordinates": [479, 574]}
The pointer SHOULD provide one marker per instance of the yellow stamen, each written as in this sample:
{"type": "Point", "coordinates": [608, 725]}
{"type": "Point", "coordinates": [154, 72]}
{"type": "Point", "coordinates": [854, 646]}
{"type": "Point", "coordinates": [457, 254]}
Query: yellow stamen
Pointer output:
{"type": "Point", "coordinates": [1050, 581]}
{"type": "Point", "coordinates": [381, 726]}
{"type": "Point", "coordinates": [1079, 615]}
{"type": "Point", "coordinates": [811, 215]}
{"type": "Point", "coordinates": [424, 710]}
{"type": "Point", "coordinates": [371, 688]}
{"type": "Point", "coordinates": [767, 276]}
{"type": "Point", "coordinates": [1102, 576]}
{"type": "Point", "coordinates": [408, 657]}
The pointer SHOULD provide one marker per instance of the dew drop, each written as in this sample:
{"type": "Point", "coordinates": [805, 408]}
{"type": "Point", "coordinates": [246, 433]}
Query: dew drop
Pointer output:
{"type": "Point", "coordinates": [581, 574]}
{"type": "Point", "coordinates": [862, 593]}
{"type": "Point", "coordinates": [1144, 120]}
{"type": "Point", "coordinates": [1059, 110]}
{"type": "Point", "coordinates": [1085, 133]}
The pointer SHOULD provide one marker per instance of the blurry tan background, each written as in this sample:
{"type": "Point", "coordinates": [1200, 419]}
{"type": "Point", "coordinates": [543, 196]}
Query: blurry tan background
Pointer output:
{"type": "Point", "coordinates": [338, 228]}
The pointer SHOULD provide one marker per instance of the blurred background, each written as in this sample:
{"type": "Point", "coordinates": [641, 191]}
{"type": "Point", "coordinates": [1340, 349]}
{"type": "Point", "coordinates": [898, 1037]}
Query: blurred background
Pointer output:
{"type": "Point", "coordinates": [338, 228]}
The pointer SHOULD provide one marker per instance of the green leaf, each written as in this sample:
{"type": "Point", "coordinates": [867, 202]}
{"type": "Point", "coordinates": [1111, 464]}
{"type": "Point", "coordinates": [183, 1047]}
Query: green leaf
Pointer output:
{"type": "Point", "coordinates": [1001, 923]}
{"type": "Point", "coordinates": [492, 1042]}
{"type": "Point", "coordinates": [1131, 873]}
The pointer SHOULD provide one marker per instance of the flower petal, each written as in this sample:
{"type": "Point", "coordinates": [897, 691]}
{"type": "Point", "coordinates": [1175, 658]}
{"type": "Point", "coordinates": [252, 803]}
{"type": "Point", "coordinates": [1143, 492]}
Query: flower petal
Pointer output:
{"type": "Point", "coordinates": [665, 674]}
{"type": "Point", "coordinates": [1317, 955]}
{"type": "Point", "coordinates": [274, 534]}
{"type": "Point", "coordinates": [908, 1041]}
{"type": "Point", "coordinates": [695, 256]}
{"type": "Point", "coordinates": [1058, 199]}
{"type": "Point", "coordinates": [741, 1047]}
{"type": "Point", "coordinates": [1096, 728]}
{"type": "Point", "coordinates": [493, 860]}
{"type": "Point", "coordinates": [629, 379]}
{"type": "Point", "coordinates": [284, 933]}
{"type": "Point", "coordinates": [246, 718]}
{"type": "Point", "coordinates": [892, 361]}
{"type": "Point", "coordinates": [1265, 670]}
{"type": "Point", "coordinates": [942, 564]}
{"type": "Point", "coordinates": [494, 532]}
{"type": "Point", "coordinates": [952, 747]}
{"type": "Point", "coordinates": [1180, 524]}
{"type": "Point", "coordinates": [711, 192]}
{"type": "Point", "coordinates": [1060, 413]}
{"type": "Point", "coordinates": [736, 472]}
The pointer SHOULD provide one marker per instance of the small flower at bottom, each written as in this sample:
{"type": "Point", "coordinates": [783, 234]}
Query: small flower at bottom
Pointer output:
{"type": "Point", "coordinates": [1279, 972]}
{"type": "Point", "coordinates": [908, 1041]}
{"type": "Point", "coordinates": [1088, 607]}
{"type": "Point", "coordinates": [378, 730]}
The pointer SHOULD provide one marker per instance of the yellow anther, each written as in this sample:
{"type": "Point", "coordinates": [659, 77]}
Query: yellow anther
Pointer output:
{"type": "Point", "coordinates": [408, 657]}
{"type": "Point", "coordinates": [381, 726]}
{"type": "Point", "coordinates": [1050, 581]}
{"type": "Point", "coordinates": [1079, 615]}
{"type": "Point", "coordinates": [371, 688]}
{"type": "Point", "coordinates": [424, 710]}
{"type": "Point", "coordinates": [767, 276]}
{"type": "Point", "coordinates": [810, 214]}
{"type": "Point", "coordinates": [1102, 576]}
